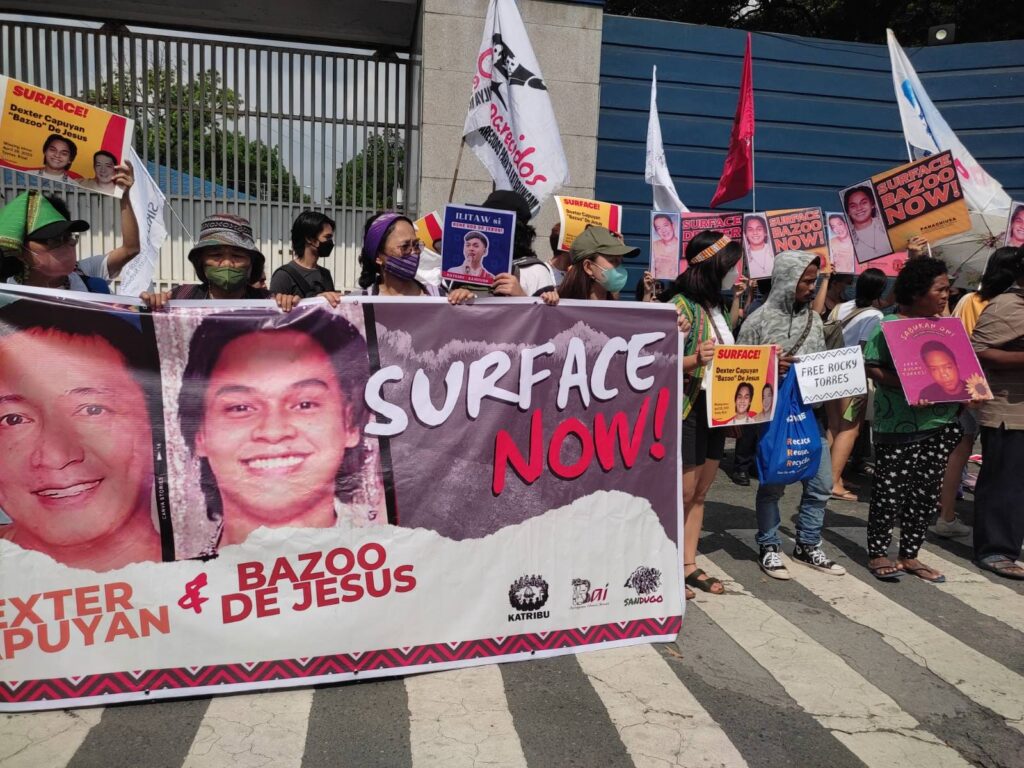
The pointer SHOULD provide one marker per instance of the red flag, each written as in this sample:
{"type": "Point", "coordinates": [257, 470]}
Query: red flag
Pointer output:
{"type": "Point", "coordinates": [738, 171]}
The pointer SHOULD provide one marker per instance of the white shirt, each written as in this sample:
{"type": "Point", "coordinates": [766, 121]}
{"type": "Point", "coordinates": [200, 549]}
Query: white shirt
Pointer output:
{"type": "Point", "coordinates": [857, 330]}
{"type": "Point", "coordinates": [537, 276]}
{"type": "Point", "coordinates": [93, 266]}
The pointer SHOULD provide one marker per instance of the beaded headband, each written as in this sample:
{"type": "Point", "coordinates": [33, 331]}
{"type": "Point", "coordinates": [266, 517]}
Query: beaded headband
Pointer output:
{"type": "Point", "coordinates": [711, 250]}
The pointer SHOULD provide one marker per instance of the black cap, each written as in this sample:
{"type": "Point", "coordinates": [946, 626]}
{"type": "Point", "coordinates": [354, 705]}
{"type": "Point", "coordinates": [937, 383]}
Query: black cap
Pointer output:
{"type": "Point", "coordinates": [507, 200]}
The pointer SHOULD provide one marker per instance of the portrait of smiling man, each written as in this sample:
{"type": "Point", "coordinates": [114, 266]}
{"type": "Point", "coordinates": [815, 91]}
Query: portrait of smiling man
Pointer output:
{"type": "Point", "coordinates": [78, 390]}
{"type": "Point", "coordinates": [271, 407]}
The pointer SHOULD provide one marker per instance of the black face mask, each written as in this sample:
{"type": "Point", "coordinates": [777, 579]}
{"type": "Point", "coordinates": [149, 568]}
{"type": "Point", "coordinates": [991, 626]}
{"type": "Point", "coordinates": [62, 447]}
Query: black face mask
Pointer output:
{"type": "Point", "coordinates": [324, 249]}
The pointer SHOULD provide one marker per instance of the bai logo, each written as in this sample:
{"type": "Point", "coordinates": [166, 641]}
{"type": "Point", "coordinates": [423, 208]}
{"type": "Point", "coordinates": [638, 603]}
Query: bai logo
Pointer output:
{"type": "Point", "coordinates": [583, 596]}
{"type": "Point", "coordinates": [528, 594]}
{"type": "Point", "coordinates": [645, 581]}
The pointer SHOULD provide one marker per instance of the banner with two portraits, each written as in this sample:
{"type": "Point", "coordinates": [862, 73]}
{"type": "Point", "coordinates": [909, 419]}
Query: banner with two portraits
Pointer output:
{"type": "Point", "coordinates": [217, 498]}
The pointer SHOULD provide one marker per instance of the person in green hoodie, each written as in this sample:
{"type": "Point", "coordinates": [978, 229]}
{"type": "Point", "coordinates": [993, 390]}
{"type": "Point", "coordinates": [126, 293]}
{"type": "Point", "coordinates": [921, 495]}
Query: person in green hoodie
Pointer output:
{"type": "Point", "coordinates": [787, 320]}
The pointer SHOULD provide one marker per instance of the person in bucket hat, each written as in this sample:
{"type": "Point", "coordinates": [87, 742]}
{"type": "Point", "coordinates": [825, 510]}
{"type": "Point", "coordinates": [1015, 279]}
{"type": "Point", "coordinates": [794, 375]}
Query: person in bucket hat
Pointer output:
{"type": "Point", "coordinates": [227, 264]}
{"type": "Point", "coordinates": [38, 243]}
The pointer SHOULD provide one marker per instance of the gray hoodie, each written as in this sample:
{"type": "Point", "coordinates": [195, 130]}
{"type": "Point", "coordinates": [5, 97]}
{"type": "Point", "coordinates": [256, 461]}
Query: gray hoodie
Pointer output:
{"type": "Point", "coordinates": [778, 321]}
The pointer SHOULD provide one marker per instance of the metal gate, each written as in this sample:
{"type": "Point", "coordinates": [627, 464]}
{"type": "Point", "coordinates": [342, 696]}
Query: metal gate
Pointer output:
{"type": "Point", "coordinates": [236, 125]}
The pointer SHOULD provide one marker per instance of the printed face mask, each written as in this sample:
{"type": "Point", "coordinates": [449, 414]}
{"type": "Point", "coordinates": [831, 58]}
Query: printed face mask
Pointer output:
{"type": "Point", "coordinates": [402, 267]}
{"type": "Point", "coordinates": [227, 278]}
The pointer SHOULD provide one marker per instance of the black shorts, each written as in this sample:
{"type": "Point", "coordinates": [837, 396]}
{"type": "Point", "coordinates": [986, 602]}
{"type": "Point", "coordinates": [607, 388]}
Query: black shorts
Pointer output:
{"type": "Point", "coordinates": [701, 442]}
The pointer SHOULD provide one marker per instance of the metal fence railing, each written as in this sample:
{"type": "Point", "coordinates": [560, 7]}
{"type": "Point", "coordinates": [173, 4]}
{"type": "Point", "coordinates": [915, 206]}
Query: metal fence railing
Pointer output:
{"type": "Point", "coordinates": [226, 124]}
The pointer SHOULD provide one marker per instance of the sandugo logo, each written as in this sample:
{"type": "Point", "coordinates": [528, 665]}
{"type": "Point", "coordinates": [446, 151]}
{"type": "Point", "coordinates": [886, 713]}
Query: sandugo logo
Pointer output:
{"type": "Point", "coordinates": [645, 581]}
{"type": "Point", "coordinates": [584, 596]}
{"type": "Point", "coordinates": [528, 594]}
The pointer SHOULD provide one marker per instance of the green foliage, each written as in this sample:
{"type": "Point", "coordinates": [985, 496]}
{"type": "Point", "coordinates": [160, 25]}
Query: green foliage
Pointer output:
{"type": "Point", "coordinates": [186, 130]}
{"type": "Point", "coordinates": [382, 164]}
{"type": "Point", "coordinates": [854, 20]}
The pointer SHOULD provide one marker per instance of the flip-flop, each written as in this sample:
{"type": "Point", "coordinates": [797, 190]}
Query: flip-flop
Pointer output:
{"type": "Point", "coordinates": [993, 567]}
{"type": "Point", "coordinates": [703, 582]}
{"type": "Point", "coordinates": [848, 496]}
{"type": "Point", "coordinates": [940, 579]}
{"type": "Point", "coordinates": [876, 571]}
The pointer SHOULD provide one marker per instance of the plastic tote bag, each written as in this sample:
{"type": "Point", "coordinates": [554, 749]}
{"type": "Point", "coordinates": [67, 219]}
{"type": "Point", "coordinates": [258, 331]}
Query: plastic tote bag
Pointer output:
{"type": "Point", "coordinates": [790, 447]}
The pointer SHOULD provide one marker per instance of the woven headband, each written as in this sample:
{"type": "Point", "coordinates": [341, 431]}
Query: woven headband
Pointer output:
{"type": "Point", "coordinates": [375, 234]}
{"type": "Point", "coordinates": [711, 250]}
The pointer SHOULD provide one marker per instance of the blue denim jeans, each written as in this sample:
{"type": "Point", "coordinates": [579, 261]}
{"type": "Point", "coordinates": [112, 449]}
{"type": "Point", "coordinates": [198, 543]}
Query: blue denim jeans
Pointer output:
{"type": "Point", "coordinates": [811, 515]}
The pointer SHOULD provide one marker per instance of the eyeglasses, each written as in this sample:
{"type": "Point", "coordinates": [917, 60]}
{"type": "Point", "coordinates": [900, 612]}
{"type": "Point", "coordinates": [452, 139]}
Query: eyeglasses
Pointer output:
{"type": "Point", "coordinates": [410, 246]}
{"type": "Point", "coordinates": [54, 243]}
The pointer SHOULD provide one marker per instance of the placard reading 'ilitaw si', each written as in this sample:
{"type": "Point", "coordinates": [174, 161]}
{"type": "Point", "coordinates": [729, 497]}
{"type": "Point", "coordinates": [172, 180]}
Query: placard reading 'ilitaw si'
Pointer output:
{"type": "Point", "coordinates": [831, 374]}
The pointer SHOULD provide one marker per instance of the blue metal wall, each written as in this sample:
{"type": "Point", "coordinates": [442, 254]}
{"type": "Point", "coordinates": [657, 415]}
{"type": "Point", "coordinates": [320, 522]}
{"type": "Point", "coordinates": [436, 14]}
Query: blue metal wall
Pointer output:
{"type": "Point", "coordinates": [825, 110]}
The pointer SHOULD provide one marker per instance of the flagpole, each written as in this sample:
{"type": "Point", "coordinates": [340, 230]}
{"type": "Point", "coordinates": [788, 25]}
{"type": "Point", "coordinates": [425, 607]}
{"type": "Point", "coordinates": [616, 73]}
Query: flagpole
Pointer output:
{"type": "Point", "coordinates": [455, 176]}
{"type": "Point", "coordinates": [753, 176]}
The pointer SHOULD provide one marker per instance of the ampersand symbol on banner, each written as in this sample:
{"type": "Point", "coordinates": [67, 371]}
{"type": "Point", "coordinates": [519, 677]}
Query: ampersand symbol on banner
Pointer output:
{"type": "Point", "coordinates": [192, 599]}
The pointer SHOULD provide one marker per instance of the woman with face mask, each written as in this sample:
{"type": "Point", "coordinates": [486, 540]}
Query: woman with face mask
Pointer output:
{"type": "Point", "coordinates": [391, 257]}
{"type": "Point", "coordinates": [596, 272]}
{"type": "Point", "coordinates": [226, 263]}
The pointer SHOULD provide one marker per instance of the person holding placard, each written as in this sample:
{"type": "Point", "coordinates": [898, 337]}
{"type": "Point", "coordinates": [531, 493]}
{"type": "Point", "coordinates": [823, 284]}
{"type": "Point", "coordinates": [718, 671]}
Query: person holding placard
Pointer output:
{"type": "Point", "coordinates": [998, 340]}
{"type": "Point", "coordinates": [697, 295]}
{"type": "Point", "coordinates": [846, 416]}
{"type": "Point", "coordinates": [787, 320]}
{"type": "Point", "coordinates": [912, 440]}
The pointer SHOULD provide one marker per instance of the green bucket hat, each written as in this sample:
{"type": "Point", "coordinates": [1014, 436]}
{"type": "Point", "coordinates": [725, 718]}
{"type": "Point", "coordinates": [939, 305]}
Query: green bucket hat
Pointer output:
{"type": "Point", "coordinates": [30, 216]}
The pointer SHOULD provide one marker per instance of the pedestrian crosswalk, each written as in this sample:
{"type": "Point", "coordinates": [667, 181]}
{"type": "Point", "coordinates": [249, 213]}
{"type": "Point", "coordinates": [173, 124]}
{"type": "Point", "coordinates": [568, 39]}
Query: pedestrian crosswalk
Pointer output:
{"type": "Point", "coordinates": [821, 670]}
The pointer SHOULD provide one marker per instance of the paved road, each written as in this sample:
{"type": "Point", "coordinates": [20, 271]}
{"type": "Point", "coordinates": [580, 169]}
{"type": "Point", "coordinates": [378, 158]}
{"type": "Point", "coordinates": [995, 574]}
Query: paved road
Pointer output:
{"type": "Point", "coordinates": [820, 671]}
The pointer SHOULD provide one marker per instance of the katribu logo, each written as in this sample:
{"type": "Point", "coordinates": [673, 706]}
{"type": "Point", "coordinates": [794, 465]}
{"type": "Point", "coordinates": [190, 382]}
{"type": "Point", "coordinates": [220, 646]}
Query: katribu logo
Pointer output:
{"type": "Point", "coordinates": [528, 594]}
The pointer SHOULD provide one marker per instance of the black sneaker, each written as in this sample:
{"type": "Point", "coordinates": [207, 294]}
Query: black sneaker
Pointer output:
{"type": "Point", "coordinates": [815, 557]}
{"type": "Point", "coordinates": [740, 477]}
{"type": "Point", "coordinates": [771, 562]}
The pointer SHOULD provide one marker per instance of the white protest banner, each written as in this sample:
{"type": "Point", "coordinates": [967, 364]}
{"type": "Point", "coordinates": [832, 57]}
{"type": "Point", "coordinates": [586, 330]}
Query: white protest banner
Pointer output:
{"type": "Point", "coordinates": [148, 205]}
{"type": "Point", "coordinates": [831, 374]}
{"type": "Point", "coordinates": [927, 133]}
{"type": "Point", "coordinates": [511, 125]}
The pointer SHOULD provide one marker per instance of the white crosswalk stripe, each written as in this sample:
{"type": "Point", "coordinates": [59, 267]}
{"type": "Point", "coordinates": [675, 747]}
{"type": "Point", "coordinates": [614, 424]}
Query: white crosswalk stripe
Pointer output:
{"type": "Point", "coordinates": [459, 718]}
{"type": "Point", "coordinates": [858, 714]}
{"type": "Point", "coordinates": [978, 677]}
{"type": "Point", "coordinates": [970, 587]}
{"type": "Point", "coordinates": [660, 722]}
{"type": "Point", "coordinates": [253, 731]}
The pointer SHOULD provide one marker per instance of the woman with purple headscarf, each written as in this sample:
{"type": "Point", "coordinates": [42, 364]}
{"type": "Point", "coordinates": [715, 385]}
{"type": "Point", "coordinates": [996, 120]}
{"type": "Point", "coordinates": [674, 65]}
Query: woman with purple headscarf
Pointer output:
{"type": "Point", "coordinates": [391, 257]}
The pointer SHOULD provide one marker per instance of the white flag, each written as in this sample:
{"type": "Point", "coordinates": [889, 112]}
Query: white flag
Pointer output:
{"type": "Point", "coordinates": [510, 125]}
{"type": "Point", "coordinates": [147, 202]}
{"type": "Point", "coordinates": [927, 133]}
{"type": "Point", "coordinates": [656, 173]}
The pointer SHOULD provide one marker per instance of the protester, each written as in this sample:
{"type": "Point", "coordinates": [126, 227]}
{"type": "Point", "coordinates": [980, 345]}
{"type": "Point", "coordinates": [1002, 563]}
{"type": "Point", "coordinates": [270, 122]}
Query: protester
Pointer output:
{"type": "Point", "coordinates": [530, 275]}
{"type": "Point", "coordinates": [869, 236]}
{"type": "Point", "coordinates": [696, 293]}
{"type": "Point", "coordinates": [831, 288]}
{"type": "Point", "coordinates": [390, 258]}
{"type": "Point", "coordinates": [912, 440]}
{"type": "Point", "coordinates": [596, 272]}
{"type": "Point", "coordinates": [858, 318]}
{"type": "Point", "coordinates": [272, 408]}
{"type": "Point", "coordinates": [997, 278]}
{"type": "Point", "coordinates": [79, 389]}
{"type": "Point", "coordinates": [998, 340]}
{"type": "Point", "coordinates": [59, 153]}
{"type": "Point", "coordinates": [536, 276]}
{"type": "Point", "coordinates": [840, 245]}
{"type": "Point", "coordinates": [104, 166]}
{"type": "Point", "coordinates": [646, 288]}
{"type": "Point", "coordinates": [312, 240]}
{"type": "Point", "coordinates": [38, 242]}
{"type": "Point", "coordinates": [664, 247]}
{"type": "Point", "coordinates": [227, 264]}
{"type": "Point", "coordinates": [757, 247]}
{"type": "Point", "coordinates": [787, 321]}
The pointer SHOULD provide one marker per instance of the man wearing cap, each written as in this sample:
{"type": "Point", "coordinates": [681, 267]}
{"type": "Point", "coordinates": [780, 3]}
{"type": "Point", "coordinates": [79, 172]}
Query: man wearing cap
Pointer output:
{"type": "Point", "coordinates": [38, 240]}
{"type": "Point", "coordinates": [597, 272]}
{"type": "Point", "coordinates": [226, 263]}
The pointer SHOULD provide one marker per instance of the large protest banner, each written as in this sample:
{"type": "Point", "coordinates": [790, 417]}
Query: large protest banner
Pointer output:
{"type": "Point", "coordinates": [213, 498]}
{"type": "Point", "coordinates": [57, 137]}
